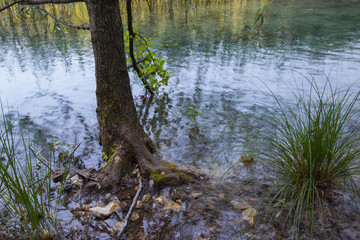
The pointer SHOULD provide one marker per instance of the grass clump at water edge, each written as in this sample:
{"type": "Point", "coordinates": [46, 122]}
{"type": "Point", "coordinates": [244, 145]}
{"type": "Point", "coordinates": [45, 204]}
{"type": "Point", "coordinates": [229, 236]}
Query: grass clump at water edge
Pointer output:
{"type": "Point", "coordinates": [27, 194]}
{"type": "Point", "coordinates": [313, 150]}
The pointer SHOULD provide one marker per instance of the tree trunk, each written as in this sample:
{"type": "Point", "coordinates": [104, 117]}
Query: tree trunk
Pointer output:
{"type": "Point", "coordinates": [121, 134]}
{"type": "Point", "coordinates": [115, 108]}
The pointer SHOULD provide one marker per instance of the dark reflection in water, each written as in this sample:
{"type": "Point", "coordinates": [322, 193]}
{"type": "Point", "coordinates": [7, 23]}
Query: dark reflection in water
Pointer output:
{"type": "Point", "coordinates": [220, 68]}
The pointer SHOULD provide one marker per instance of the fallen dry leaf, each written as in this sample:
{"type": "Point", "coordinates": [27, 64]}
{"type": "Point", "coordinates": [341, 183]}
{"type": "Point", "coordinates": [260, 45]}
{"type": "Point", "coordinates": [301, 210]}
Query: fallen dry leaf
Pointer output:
{"type": "Point", "coordinates": [102, 212]}
{"type": "Point", "coordinates": [146, 197]}
{"type": "Point", "coordinates": [196, 194]}
{"type": "Point", "coordinates": [118, 226]}
{"type": "Point", "coordinates": [134, 217]}
{"type": "Point", "coordinates": [139, 204]}
{"type": "Point", "coordinates": [160, 200]}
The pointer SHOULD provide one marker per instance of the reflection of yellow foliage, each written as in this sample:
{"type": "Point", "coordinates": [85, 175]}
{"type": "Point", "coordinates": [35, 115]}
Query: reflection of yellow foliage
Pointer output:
{"type": "Point", "coordinates": [29, 16]}
{"type": "Point", "coordinates": [76, 13]}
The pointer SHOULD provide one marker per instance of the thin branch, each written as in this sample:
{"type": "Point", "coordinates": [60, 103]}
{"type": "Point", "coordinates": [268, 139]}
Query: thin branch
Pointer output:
{"type": "Point", "coordinates": [84, 176]}
{"type": "Point", "coordinates": [131, 65]}
{"type": "Point", "coordinates": [128, 215]}
{"type": "Point", "coordinates": [40, 157]}
{"type": "Point", "coordinates": [38, 2]}
{"type": "Point", "coordinates": [82, 27]}
{"type": "Point", "coordinates": [131, 48]}
{"type": "Point", "coordinates": [8, 6]}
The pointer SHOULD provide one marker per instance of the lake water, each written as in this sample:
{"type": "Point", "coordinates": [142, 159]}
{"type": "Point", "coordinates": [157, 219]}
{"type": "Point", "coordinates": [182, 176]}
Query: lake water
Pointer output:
{"type": "Point", "coordinates": [221, 67]}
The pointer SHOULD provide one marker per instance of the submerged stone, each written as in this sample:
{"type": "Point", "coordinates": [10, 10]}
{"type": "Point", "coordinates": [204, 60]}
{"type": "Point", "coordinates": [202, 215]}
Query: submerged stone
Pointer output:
{"type": "Point", "coordinates": [58, 175]}
{"type": "Point", "coordinates": [139, 204]}
{"type": "Point", "coordinates": [160, 200]}
{"type": "Point", "coordinates": [135, 216]}
{"type": "Point", "coordinates": [250, 215]}
{"type": "Point", "coordinates": [118, 226]}
{"type": "Point", "coordinates": [171, 205]}
{"type": "Point", "coordinates": [146, 197]}
{"type": "Point", "coordinates": [76, 181]}
{"type": "Point", "coordinates": [236, 205]}
{"type": "Point", "coordinates": [103, 212]}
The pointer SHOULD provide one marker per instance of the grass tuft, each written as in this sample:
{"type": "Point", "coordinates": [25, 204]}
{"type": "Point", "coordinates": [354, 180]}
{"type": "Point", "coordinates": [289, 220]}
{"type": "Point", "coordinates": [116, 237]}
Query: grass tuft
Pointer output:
{"type": "Point", "coordinates": [27, 193]}
{"type": "Point", "coordinates": [313, 149]}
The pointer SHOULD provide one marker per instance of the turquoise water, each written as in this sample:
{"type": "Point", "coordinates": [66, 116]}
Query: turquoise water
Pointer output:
{"type": "Point", "coordinates": [221, 67]}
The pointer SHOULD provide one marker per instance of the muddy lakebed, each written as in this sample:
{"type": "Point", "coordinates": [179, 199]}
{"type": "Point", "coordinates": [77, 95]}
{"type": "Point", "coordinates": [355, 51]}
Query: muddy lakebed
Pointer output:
{"type": "Point", "coordinates": [226, 208]}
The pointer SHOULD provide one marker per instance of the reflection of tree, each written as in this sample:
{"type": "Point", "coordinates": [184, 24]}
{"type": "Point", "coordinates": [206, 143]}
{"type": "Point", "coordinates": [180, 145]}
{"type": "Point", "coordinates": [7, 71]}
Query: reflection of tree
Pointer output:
{"type": "Point", "coordinates": [311, 28]}
{"type": "Point", "coordinates": [24, 35]}
{"type": "Point", "coordinates": [217, 35]}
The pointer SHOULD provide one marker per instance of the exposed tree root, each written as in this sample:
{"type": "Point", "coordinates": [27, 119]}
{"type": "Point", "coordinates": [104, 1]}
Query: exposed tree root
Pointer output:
{"type": "Point", "coordinates": [151, 165]}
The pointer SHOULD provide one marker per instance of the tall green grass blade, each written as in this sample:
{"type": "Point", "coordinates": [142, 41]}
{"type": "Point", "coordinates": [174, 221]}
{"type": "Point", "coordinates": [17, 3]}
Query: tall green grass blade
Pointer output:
{"type": "Point", "coordinates": [314, 148]}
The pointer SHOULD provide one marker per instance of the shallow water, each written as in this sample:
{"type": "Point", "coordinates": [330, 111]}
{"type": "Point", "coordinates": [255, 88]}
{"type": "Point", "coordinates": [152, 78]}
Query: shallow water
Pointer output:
{"type": "Point", "coordinates": [221, 67]}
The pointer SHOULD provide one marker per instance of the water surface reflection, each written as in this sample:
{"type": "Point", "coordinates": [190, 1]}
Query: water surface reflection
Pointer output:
{"type": "Point", "coordinates": [220, 67]}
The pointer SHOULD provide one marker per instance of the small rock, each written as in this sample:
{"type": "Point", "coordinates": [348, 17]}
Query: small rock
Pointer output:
{"type": "Point", "coordinates": [250, 215]}
{"type": "Point", "coordinates": [118, 226]}
{"type": "Point", "coordinates": [78, 213]}
{"type": "Point", "coordinates": [239, 206]}
{"type": "Point", "coordinates": [76, 181]}
{"type": "Point", "coordinates": [47, 234]}
{"type": "Point", "coordinates": [350, 233]}
{"type": "Point", "coordinates": [146, 197]}
{"type": "Point", "coordinates": [160, 200]}
{"type": "Point", "coordinates": [141, 236]}
{"type": "Point", "coordinates": [222, 195]}
{"type": "Point", "coordinates": [151, 183]}
{"type": "Point", "coordinates": [210, 202]}
{"type": "Point", "coordinates": [58, 175]}
{"type": "Point", "coordinates": [196, 195]}
{"type": "Point", "coordinates": [139, 204]}
{"type": "Point", "coordinates": [93, 185]}
{"type": "Point", "coordinates": [86, 206]}
{"type": "Point", "coordinates": [102, 212]}
{"type": "Point", "coordinates": [235, 222]}
{"type": "Point", "coordinates": [171, 205]}
{"type": "Point", "coordinates": [86, 173]}
{"type": "Point", "coordinates": [111, 231]}
{"type": "Point", "coordinates": [123, 205]}
{"type": "Point", "coordinates": [244, 205]}
{"type": "Point", "coordinates": [134, 217]}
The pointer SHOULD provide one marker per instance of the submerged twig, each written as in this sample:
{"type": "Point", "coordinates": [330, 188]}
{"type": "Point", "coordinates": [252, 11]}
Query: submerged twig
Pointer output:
{"type": "Point", "coordinates": [84, 176]}
{"type": "Point", "coordinates": [128, 215]}
{"type": "Point", "coordinates": [39, 157]}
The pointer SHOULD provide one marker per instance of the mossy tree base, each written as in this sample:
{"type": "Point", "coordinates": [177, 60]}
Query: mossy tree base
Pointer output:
{"type": "Point", "coordinates": [151, 166]}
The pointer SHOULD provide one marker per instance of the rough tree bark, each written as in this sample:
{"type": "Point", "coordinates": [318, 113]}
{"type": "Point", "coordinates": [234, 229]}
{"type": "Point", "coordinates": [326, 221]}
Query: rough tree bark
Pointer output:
{"type": "Point", "coordinates": [121, 134]}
